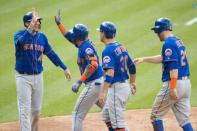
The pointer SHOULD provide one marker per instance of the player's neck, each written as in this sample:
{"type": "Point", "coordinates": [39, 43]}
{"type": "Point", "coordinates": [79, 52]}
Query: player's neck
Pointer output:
{"type": "Point", "coordinates": [108, 41]}
{"type": "Point", "coordinates": [168, 34]}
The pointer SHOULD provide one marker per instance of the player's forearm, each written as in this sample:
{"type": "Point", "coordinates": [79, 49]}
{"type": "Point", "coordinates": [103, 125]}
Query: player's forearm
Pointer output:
{"type": "Point", "coordinates": [174, 73]}
{"type": "Point", "coordinates": [132, 78]}
{"type": "Point", "coordinates": [109, 74]}
{"type": "Point", "coordinates": [106, 87]}
{"type": "Point", "coordinates": [89, 70]}
{"type": "Point", "coordinates": [62, 29]}
{"type": "Point", "coordinates": [56, 60]}
{"type": "Point", "coordinates": [173, 78]}
{"type": "Point", "coordinates": [153, 59]}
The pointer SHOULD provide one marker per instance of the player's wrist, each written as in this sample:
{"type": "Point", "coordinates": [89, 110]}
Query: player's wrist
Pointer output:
{"type": "Point", "coordinates": [142, 59]}
{"type": "Point", "coordinates": [173, 83]}
{"type": "Point", "coordinates": [132, 83]}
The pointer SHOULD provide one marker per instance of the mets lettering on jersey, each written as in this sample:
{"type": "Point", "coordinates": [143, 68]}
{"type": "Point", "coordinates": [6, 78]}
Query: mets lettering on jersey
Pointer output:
{"type": "Point", "coordinates": [29, 51]}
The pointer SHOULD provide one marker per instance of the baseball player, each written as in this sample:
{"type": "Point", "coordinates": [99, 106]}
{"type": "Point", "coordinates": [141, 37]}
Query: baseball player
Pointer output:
{"type": "Point", "coordinates": [91, 71]}
{"type": "Point", "coordinates": [176, 88]}
{"type": "Point", "coordinates": [30, 45]}
{"type": "Point", "coordinates": [116, 63]}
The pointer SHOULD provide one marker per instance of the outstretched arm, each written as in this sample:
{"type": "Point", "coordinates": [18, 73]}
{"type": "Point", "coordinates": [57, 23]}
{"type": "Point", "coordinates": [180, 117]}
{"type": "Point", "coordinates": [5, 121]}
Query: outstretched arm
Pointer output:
{"type": "Point", "coordinates": [150, 59]}
{"type": "Point", "coordinates": [60, 25]}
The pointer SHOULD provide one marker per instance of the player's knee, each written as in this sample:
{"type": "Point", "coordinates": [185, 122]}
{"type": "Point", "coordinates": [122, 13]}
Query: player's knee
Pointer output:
{"type": "Point", "coordinates": [25, 113]}
{"type": "Point", "coordinates": [78, 115]}
{"type": "Point", "coordinates": [35, 115]}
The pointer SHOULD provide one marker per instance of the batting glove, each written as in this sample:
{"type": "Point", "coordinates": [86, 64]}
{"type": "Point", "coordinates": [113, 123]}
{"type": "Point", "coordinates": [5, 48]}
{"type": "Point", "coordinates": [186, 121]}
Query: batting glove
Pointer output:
{"type": "Point", "coordinates": [76, 86]}
{"type": "Point", "coordinates": [58, 18]}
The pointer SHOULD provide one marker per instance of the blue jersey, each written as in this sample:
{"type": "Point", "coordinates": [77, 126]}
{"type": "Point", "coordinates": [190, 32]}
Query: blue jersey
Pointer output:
{"type": "Point", "coordinates": [174, 57]}
{"type": "Point", "coordinates": [116, 57]}
{"type": "Point", "coordinates": [85, 50]}
{"type": "Point", "coordinates": [29, 50]}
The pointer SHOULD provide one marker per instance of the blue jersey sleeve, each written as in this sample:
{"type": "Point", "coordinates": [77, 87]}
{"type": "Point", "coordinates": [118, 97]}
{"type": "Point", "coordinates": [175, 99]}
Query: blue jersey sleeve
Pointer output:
{"type": "Point", "coordinates": [52, 55]}
{"type": "Point", "coordinates": [88, 54]}
{"type": "Point", "coordinates": [107, 60]}
{"type": "Point", "coordinates": [131, 66]}
{"type": "Point", "coordinates": [170, 55]}
{"type": "Point", "coordinates": [69, 36]}
{"type": "Point", "coordinates": [20, 36]}
{"type": "Point", "coordinates": [47, 46]}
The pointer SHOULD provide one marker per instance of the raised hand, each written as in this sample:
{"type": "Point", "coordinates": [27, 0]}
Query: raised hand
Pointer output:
{"type": "Point", "coordinates": [58, 18]}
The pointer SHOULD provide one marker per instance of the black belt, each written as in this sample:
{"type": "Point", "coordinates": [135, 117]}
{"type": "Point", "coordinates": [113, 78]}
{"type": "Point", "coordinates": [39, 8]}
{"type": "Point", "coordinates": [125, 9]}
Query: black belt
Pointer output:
{"type": "Point", "coordinates": [183, 78]}
{"type": "Point", "coordinates": [119, 82]}
{"type": "Point", "coordinates": [28, 73]}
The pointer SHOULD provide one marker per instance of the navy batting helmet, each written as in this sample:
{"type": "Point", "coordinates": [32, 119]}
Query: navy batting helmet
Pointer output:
{"type": "Point", "coordinates": [108, 28]}
{"type": "Point", "coordinates": [80, 32]}
{"type": "Point", "coordinates": [28, 17]}
{"type": "Point", "coordinates": [162, 24]}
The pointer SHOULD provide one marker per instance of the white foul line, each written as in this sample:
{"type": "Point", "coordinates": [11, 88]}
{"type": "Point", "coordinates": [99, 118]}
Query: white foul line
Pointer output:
{"type": "Point", "coordinates": [191, 22]}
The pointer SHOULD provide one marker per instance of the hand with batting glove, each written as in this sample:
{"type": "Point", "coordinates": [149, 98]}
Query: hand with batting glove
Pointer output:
{"type": "Point", "coordinates": [76, 86]}
{"type": "Point", "coordinates": [58, 18]}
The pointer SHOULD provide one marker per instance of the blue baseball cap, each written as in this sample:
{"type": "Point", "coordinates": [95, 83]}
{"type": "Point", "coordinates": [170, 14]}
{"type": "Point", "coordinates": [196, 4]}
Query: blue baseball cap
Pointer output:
{"type": "Point", "coordinates": [28, 17]}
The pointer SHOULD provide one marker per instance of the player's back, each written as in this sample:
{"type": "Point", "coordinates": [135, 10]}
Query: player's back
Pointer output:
{"type": "Point", "coordinates": [115, 56]}
{"type": "Point", "coordinates": [175, 50]}
{"type": "Point", "coordinates": [86, 50]}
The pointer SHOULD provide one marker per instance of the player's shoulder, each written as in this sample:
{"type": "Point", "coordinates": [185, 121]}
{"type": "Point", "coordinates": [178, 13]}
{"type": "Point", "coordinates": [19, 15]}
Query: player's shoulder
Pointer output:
{"type": "Point", "coordinates": [42, 34]}
{"type": "Point", "coordinates": [20, 32]}
{"type": "Point", "coordinates": [87, 47]}
{"type": "Point", "coordinates": [86, 44]}
{"type": "Point", "coordinates": [170, 42]}
{"type": "Point", "coordinates": [110, 47]}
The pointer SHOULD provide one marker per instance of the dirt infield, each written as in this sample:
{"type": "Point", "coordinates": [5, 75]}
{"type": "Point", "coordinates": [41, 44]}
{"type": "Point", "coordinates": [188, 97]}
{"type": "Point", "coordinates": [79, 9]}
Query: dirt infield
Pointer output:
{"type": "Point", "coordinates": [137, 120]}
